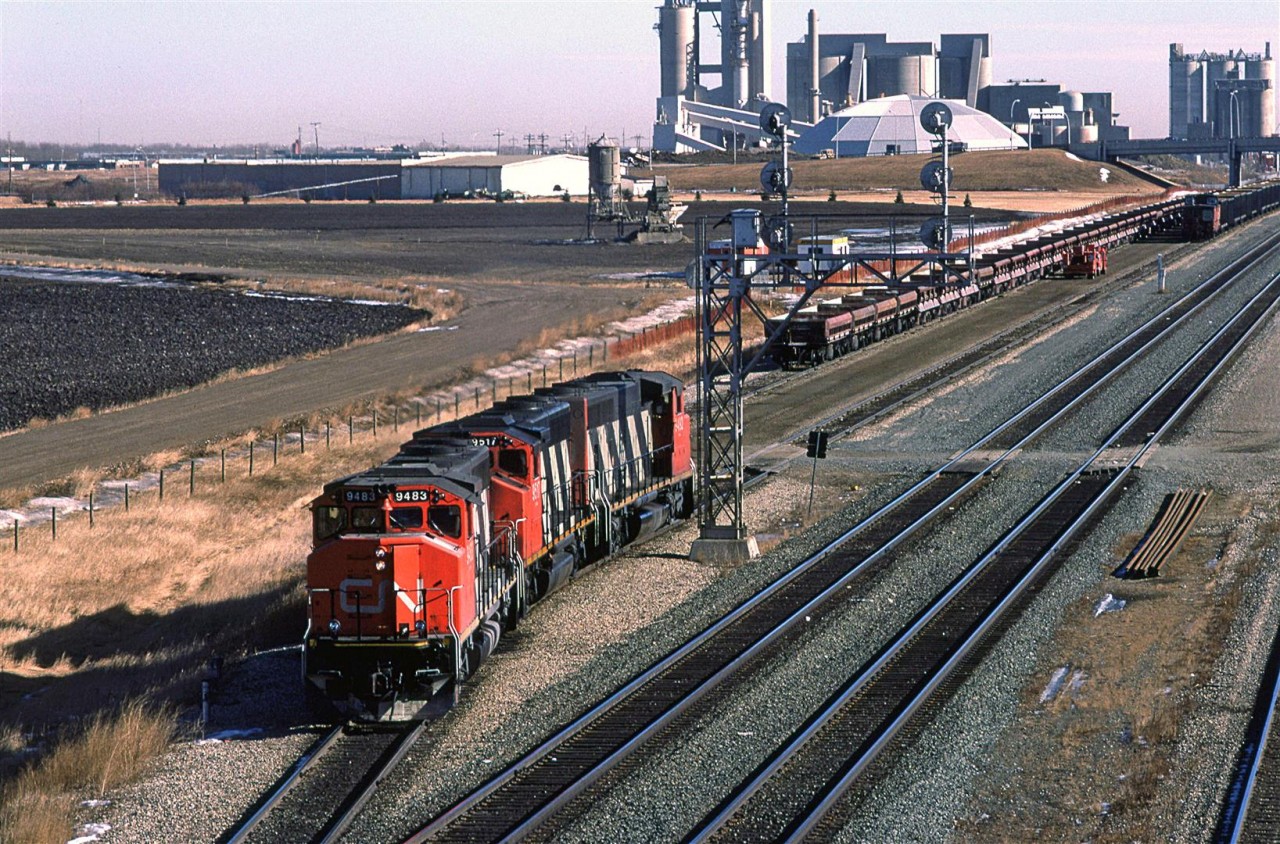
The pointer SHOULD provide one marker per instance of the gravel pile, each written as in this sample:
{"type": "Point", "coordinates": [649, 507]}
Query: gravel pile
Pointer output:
{"type": "Point", "coordinates": [65, 346]}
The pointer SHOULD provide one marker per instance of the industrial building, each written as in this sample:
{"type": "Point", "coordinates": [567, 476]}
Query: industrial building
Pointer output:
{"type": "Point", "coordinates": [891, 126]}
{"type": "Point", "coordinates": [531, 175]}
{"type": "Point", "coordinates": [1216, 95]}
{"type": "Point", "coordinates": [828, 73]}
{"type": "Point", "coordinates": [413, 178]}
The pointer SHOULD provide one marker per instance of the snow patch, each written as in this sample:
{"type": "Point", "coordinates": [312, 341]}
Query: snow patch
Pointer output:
{"type": "Point", "coordinates": [1109, 603]}
{"type": "Point", "coordinates": [1055, 684]}
{"type": "Point", "coordinates": [91, 832]}
{"type": "Point", "coordinates": [228, 735]}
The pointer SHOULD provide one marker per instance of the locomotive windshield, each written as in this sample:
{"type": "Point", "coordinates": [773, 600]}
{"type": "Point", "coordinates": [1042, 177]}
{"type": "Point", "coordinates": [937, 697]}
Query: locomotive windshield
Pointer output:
{"type": "Point", "coordinates": [406, 518]}
{"type": "Point", "coordinates": [445, 519]}
{"type": "Point", "coordinates": [366, 518]}
{"type": "Point", "coordinates": [328, 521]}
{"type": "Point", "coordinates": [514, 461]}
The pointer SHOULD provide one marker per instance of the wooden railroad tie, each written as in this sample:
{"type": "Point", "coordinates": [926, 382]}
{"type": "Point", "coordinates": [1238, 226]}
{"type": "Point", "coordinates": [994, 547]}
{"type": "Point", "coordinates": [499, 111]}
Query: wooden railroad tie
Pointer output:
{"type": "Point", "coordinates": [1177, 515]}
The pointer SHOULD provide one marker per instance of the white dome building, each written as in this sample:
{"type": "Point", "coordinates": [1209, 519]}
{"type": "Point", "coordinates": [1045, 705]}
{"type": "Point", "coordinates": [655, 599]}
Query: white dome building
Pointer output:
{"type": "Point", "coordinates": [891, 126]}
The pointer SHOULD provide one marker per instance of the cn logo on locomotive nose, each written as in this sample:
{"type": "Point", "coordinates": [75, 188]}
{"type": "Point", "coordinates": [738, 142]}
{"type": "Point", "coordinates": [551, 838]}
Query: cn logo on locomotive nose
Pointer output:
{"type": "Point", "coordinates": [347, 596]}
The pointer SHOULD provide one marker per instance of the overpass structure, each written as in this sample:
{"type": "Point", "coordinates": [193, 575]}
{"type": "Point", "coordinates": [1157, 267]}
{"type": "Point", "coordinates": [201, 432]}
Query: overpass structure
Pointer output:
{"type": "Point", "coordinates": [1233, 148]}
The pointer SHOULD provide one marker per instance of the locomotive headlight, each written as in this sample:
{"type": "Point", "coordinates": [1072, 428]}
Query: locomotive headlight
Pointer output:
{"type": "Point", "coordinates": [380, 559]}
{"type": "Point", "coordinates": [380, 565]}
{"type": "Point", "coordinates": [421, 627]}
{"type": "Point", "coordinates": [334, 626]}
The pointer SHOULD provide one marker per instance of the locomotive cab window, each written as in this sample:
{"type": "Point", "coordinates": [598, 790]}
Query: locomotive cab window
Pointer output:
{"type": "Point", "coordinates": [445, 519]}
{"type": "Point", "coordinates": [328, 521]}
{"type": "Point", "coordinates": [514, 461]}
{"type": "Point", "coordinates": [406, 518]}
{"type": "Point", "coordinates": [366, 518]}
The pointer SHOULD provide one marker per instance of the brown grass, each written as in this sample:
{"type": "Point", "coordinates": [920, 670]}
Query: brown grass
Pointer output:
{"type": "Point", "coordinates": [1015, 170]}
{"type": "Point", "coordinates": [109, 750]}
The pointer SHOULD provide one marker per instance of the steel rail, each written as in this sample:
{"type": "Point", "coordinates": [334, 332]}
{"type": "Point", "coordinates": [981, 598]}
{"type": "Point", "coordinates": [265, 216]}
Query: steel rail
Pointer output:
{"type": "Point", "coordinates": [304, 763]}
{"type": "Point", "coordinates": [819, 807]}
{"type": "Point", "coordinates": [338, 826]}
{"type": "Point", "coordinates": [543, 750]}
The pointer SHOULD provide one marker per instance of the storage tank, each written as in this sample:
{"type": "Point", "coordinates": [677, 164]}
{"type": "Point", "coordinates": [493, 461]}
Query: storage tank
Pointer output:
{"type": "Point", "coordinates": [888, 76]}
{"type": "Point", "coordinates": [1265, 68]}
{"type": "Point", "coordinates": [675, 40]}
{"type": "Point", "coordinates": [1186, 91]}
{"type": "Point", "coordinates": [604, 168]}
{"type": "Point", "coordinates": [1071, 101]}
{"type": "Point", "coordinates": [1217, 69]}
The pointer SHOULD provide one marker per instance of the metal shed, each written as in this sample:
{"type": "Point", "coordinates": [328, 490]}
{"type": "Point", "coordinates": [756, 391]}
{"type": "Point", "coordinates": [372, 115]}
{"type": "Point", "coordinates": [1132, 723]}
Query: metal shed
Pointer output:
{"type": "Point", "coordinates": [531, 175]}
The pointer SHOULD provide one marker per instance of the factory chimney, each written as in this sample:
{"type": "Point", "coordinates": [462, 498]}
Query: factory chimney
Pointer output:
{"type": "Point", "coordinates": [815, 89]}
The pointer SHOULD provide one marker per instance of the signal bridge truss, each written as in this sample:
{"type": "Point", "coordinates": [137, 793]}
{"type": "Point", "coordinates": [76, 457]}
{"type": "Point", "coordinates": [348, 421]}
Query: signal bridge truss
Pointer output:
{"type": "Point", "coordinates": [725, 276]}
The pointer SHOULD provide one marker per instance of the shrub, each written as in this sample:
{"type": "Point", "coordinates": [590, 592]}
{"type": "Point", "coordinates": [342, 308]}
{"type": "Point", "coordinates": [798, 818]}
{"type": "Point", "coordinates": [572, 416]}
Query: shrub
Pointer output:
{"type": "Point", "coordinates": [564, 197]}
{"type": "Point", "coordinates": [831, 197]}
{"type": "Point", "coordinates": [244, 198]}
{"type": "Point", "coordinates": [51, 202]}
{"type": "Point", "coordinates": [898, 200]}
{"type": "Point", "coordinates": [182, 199]}
{"type": "Point", "coordinates": [968, 201]}
{"type": "Point", "coordinates": [697, 195]}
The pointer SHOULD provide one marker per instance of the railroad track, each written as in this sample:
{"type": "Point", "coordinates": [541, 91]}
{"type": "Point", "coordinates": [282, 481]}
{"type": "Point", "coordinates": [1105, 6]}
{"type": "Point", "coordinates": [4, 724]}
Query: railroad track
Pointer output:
{"type": "Point", "coordinates": [1251, 811]}
{"type": "Point", "coordinates": [545, 780]}
{"type": "Point", "coordinates": [318, 798]}
{"type": "Point", "coordinates": [791, 796]}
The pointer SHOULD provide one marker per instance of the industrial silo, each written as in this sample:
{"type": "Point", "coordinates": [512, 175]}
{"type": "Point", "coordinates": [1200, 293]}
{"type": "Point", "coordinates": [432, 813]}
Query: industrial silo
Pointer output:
{"type": "Point", "coordinates": [1264, 68]}
{"type": "Point", "coordinates": [604, 169]}
{"type": "Point", "coordinates": [675, 44]}
{"type": "Point", "coordinates": [1186, 91]}
{"type": "Point", "coordinates": [889, 76]}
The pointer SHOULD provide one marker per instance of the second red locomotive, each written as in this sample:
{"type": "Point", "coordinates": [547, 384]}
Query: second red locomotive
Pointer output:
{"type": "Point", "coordinates": [420, 565]}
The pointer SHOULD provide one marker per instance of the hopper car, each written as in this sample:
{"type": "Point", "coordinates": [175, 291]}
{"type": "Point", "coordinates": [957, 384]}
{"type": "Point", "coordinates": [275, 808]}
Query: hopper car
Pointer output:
{"type": "Point", "coordinates": [827, 329]}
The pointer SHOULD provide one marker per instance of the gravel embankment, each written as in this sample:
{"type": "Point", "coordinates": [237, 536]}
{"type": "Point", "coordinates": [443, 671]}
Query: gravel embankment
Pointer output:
{"type": "Point", "coordinates": [565, 658]}
{"type": "Point", "coordinates": [67, 345]}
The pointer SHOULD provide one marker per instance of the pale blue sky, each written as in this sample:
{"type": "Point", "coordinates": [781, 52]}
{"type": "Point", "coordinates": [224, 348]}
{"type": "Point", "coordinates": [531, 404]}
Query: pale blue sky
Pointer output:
{"type": "Point", "coordinates": [386, 72]}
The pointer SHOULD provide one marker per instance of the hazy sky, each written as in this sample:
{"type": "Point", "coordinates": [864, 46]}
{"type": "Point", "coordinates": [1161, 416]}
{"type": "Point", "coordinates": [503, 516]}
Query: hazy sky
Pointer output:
{"type": "Point", "coordinates": [210, 73]}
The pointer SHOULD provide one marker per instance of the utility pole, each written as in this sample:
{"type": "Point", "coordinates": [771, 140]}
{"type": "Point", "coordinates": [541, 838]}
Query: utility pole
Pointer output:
{"type": "Point", "coordinates": [315, 127]}
{"type": "Point", "coordinates": [567, 138]}
{"type": "Point", "coordinates": [542, 143]}
{"type": "Point", "coordinates": [498, 134]}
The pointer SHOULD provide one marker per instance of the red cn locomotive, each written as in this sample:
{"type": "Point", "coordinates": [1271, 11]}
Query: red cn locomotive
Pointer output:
{"type": "Point", "coordinates": [419, 565]}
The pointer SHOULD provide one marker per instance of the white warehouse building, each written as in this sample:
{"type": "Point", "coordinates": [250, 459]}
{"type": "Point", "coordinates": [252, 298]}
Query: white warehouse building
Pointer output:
{"type": "Point", "coordinates": [531, 175]}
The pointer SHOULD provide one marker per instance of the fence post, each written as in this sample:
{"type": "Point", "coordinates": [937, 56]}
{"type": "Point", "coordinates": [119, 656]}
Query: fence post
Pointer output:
{"type": "Point", "coordinates": [90, 508]}
{"type": "Point", "coordinates": [561, 368]}
{"type": "Point", "coordinates": [15, 535]}
{"type": "Point", "coordinates": [222, 474]}
{"type": "Point", "coordinates": [456, 406]}
{"type": "Point", "coordinates": [529, 388]}
{"type": "Point", "coordinates": [493, 390]}
{"type": "Point", "coordinates": [395, 418]}
{"type": "Point", "coordinates": [251, 458]}
{"type": "Point", "coordinates": [192, 490]}
{"type": "Point", "coordinates": [126, 498]}
{"type": "Point", "coordinates": [327, 427]}
{"type": "Point", "coordinates": [162, 484]}
{"type": "Point", "coordinates": [351, 429]}
{"type": "Point", "coordinates": [575, 361]}
{"type": "Point", "coordinates": [591, 355]}
{"type": "Point", "coordinates": [477, 398]}
{"type": "Point", "coordinates": [375, 423]}
{"type": "Point", "coordinates": [544, 375]}
{"type": "Point", "coordinates": [302, 438]}
{"type": "Point", "coordinates": [275, 447]}
{"type": "Point", "coordinates": [53, 521]}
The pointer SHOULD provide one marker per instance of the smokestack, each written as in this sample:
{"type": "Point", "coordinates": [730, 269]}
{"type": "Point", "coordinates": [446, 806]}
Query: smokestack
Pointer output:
{"type": "Point", "coordinates": [815, 89]}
